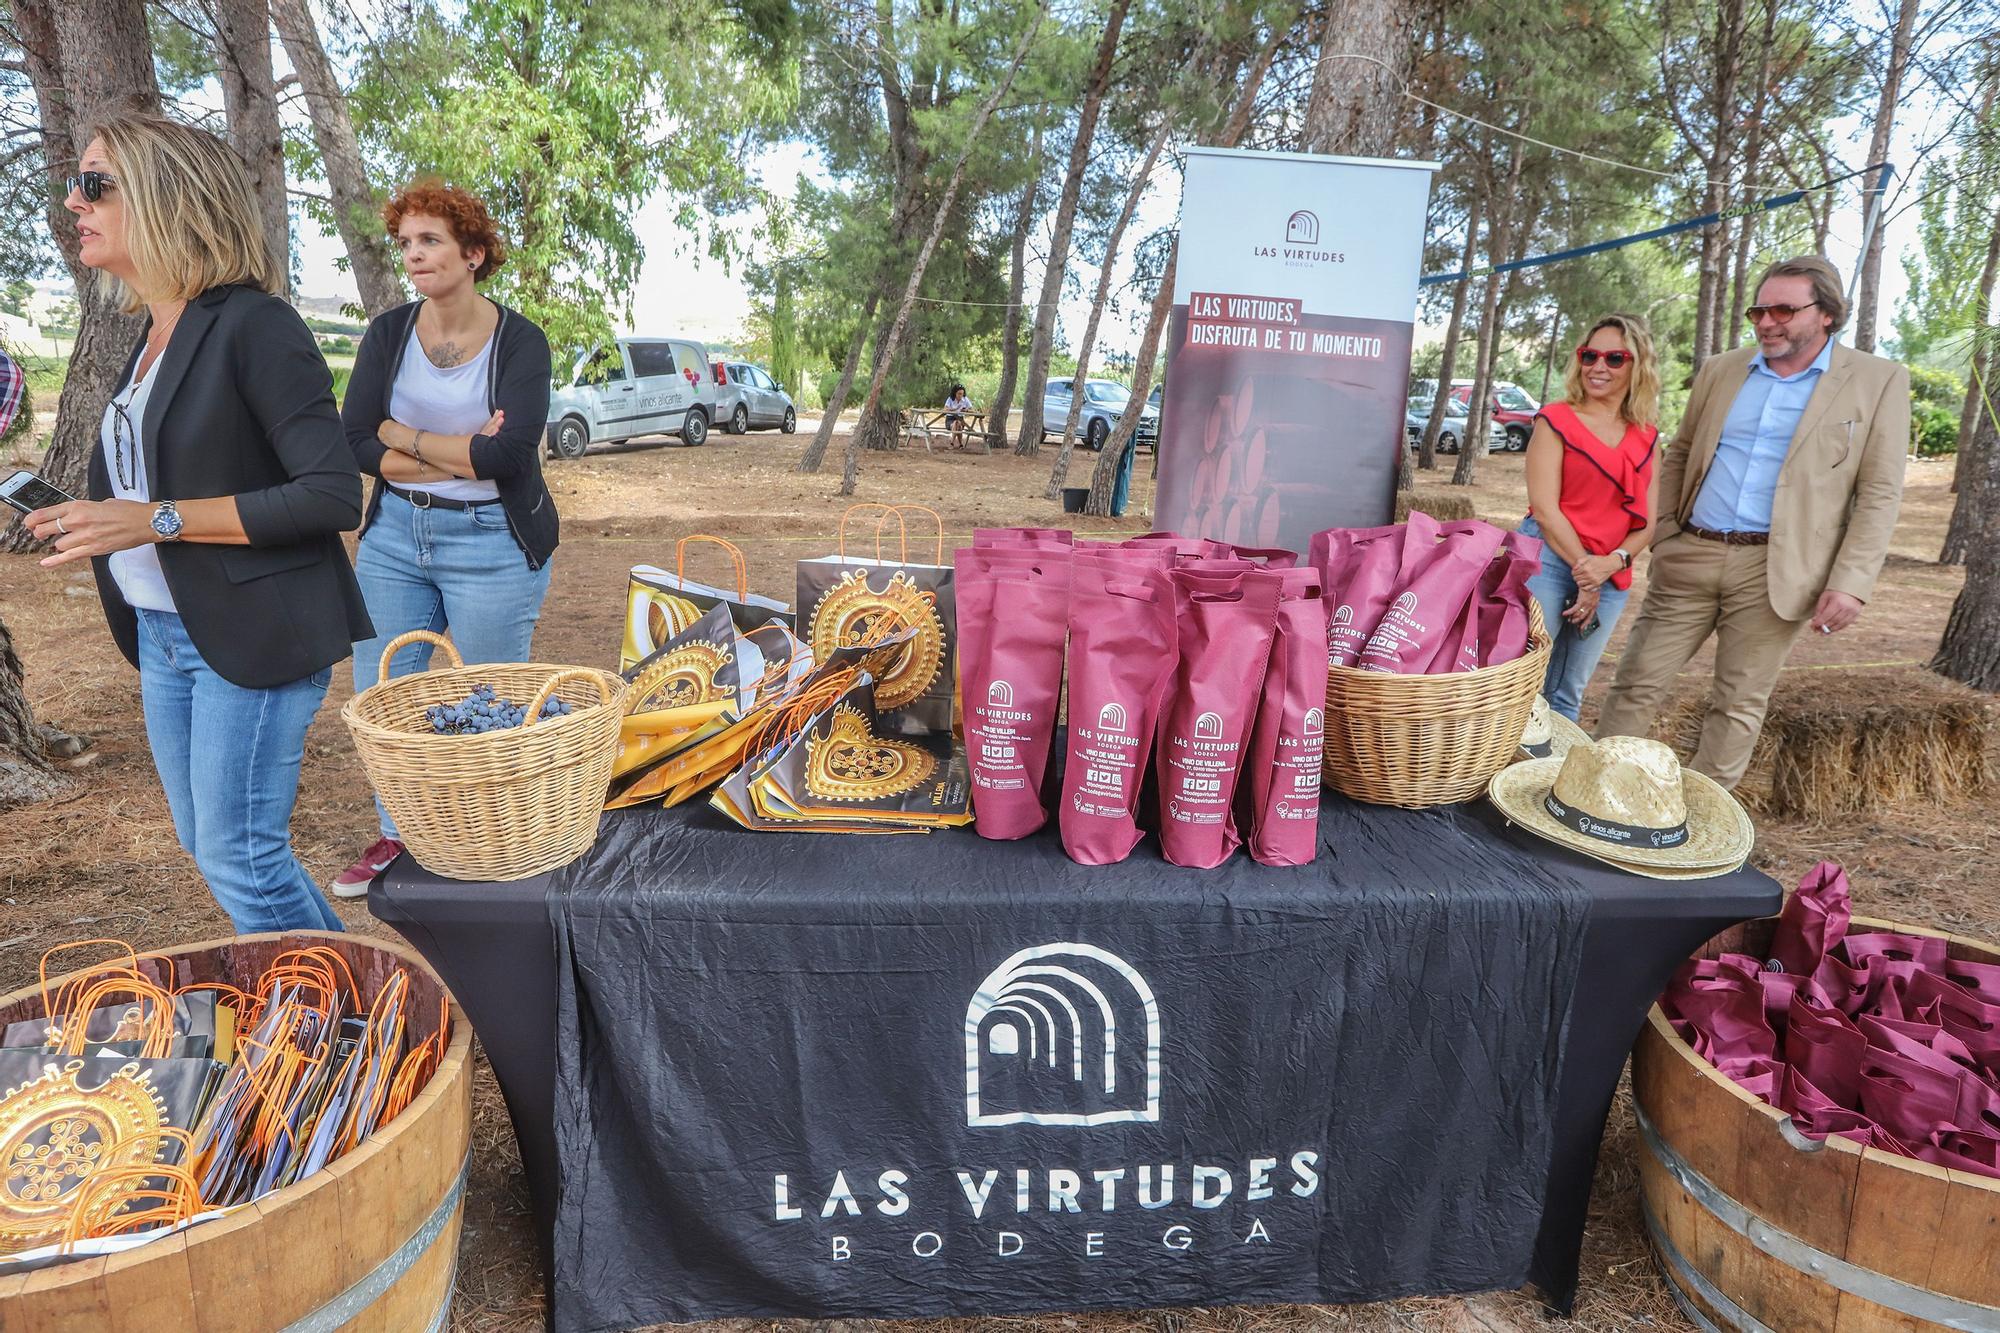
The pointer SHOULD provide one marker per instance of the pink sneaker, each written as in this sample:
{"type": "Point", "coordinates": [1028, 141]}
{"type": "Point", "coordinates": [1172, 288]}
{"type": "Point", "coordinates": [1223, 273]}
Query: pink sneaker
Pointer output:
{"type": "Point", "coordinates": [353, 882]}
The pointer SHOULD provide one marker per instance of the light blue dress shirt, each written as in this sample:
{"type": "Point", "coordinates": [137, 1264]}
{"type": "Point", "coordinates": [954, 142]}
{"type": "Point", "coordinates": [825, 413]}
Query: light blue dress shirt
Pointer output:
{"type": "Point", "coordinates": [1736, 494]}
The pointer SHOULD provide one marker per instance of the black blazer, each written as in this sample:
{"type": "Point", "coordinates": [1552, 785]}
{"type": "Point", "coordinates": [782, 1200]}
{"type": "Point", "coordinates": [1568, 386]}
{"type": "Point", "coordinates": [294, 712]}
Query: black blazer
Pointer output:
{"type": "Point", "coordinates": [242, 405]}
{"type": "Point", "coordinates": [517, 382]}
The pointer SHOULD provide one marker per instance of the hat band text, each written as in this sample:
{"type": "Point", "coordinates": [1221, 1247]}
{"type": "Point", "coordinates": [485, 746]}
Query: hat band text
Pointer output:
{"type": "Point", "coordinates": [1607, 830]}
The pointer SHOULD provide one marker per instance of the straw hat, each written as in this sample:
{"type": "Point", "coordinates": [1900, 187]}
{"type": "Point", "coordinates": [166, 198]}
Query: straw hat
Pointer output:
{"type": "Point", "coordinates": [1627, 801]}
{"type": "Point", "coordinates": [1549, 735]}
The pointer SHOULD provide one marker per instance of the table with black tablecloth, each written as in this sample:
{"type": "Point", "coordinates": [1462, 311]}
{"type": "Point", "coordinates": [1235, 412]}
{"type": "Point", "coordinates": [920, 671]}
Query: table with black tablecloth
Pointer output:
{"type": "Point", "coordinates": [842, 1076]}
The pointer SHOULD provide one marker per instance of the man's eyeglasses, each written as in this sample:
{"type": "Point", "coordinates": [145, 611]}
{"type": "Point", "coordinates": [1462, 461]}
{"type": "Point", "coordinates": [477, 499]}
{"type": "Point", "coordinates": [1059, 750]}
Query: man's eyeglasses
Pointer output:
{"type": "Point", "coordinates": [1782, 313]}
{"type": "Point", "coordinates": [1590, 356]}
{"type": "Point", "coordinates": [92, 184]}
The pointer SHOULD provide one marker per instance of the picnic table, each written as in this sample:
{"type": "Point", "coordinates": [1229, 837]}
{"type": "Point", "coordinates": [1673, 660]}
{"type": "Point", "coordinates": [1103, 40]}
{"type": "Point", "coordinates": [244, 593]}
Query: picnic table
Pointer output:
{"type": "Point", "coordinates": [930, 424]}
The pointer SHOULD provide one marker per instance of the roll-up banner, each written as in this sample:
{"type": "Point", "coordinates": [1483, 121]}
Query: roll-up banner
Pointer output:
{"type": "Point", "coordinates": [1288, 359]}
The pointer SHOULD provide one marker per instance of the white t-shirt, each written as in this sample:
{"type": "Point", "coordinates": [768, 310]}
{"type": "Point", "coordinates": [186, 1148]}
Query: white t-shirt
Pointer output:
{"type": "Point", "coordinates": [447, 401]}
{"type": "Point", "coordinates": [137, 571]}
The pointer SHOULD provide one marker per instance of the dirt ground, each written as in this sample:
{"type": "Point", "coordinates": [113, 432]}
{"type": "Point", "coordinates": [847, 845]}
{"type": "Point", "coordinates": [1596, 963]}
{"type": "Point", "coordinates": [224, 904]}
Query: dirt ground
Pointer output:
{"type": "Point", "coordinates": [102, 861]}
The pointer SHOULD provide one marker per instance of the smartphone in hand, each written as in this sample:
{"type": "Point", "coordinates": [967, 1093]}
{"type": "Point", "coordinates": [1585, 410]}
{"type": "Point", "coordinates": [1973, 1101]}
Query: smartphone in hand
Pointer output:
{"type": "Point", "coordinates": [27, 492]}
{"type": "Point", "coordinates": [1583, 631]}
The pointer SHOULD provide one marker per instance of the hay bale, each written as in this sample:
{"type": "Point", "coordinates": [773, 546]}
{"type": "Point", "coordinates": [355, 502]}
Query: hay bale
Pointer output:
{"type": "Point", "coordinates": [1845, 741]}
{"type": "Point", "coordinates": [1446, 506]}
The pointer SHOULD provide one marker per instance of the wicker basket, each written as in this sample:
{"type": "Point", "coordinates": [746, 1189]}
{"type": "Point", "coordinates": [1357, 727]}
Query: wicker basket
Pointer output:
{"type": "Point", "coordinates": [1417, 741]}
{"type": "Point", "coordinates": [498, 806]}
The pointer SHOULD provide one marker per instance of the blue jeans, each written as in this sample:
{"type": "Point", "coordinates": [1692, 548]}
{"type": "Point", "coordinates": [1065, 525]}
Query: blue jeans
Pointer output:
{"type": "Point", "coordinates": [229, 758]}
{"type": "Point", "coordinates": [439, 569]}
{"type": "Point", "coordinates": [1121, 487]}
{"type": "Point", "coordinates": [1574, 655]}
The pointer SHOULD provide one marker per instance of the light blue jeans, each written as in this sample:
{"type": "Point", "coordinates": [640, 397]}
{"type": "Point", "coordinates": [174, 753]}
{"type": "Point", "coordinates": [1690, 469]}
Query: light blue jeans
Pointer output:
{"type": "Point", "coordinates": [229, 758]}
{"type": "Point", "coordinates": [444, 569]}
{"type": "Point", "coordinates": [1575, 655]}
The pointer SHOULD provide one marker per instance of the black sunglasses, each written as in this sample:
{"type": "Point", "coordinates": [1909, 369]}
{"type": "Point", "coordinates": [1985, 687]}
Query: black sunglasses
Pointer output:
{"type": "Point", "coordinates": [92, 184]}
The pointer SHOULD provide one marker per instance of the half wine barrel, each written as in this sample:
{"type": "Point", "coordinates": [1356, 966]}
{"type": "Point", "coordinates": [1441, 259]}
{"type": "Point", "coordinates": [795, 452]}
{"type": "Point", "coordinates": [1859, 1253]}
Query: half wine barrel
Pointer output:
{"type": "Point", "coordinates": [368, 1242]}
{"type": "Point", "coordinates": [1758, 1228]}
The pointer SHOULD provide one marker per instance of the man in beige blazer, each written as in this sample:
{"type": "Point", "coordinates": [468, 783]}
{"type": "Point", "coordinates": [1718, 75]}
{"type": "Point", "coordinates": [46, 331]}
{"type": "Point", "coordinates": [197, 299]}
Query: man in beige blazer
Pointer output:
{"type": "Point", "coordinates": [1777, 499]}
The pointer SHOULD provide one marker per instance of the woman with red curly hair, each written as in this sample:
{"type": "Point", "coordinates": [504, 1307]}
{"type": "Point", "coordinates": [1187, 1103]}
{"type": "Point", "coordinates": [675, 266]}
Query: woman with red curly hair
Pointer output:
{"type": "Point", "coordinates": [446, 408]}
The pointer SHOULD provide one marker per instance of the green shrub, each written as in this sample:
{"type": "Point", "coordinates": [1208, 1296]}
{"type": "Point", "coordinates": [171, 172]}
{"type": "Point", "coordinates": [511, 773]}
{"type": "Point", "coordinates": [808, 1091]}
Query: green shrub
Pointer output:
{"type": "Point", "coordinates": [1933, 431]}
{"type": "Point", "coordinates": [1936, 388]}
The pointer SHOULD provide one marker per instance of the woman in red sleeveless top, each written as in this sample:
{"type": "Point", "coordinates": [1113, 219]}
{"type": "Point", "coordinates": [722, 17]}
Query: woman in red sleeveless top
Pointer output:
{"type": "Point", "coordinates": [1591, 496]}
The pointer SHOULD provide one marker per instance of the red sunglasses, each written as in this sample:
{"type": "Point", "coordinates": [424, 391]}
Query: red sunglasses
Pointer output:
{"type": "Point", "coordinates": [1615, 360]}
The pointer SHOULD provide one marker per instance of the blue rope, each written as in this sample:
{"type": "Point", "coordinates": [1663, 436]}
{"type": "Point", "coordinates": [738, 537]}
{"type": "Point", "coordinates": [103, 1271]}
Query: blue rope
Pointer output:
{"type": "Point", "coordinates": [1705, 220]}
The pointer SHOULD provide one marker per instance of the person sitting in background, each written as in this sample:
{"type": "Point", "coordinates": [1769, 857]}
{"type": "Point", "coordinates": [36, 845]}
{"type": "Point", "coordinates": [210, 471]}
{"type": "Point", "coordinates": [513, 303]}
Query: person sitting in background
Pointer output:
{"type": "Point", "coordinates": [1590, 497]}
{"type": "Point", "coordinates": [1778, 498]}
{"type": "Point", "coordinates": [447, 406]}
{"type": "Point", "coordinates": [956, 406]}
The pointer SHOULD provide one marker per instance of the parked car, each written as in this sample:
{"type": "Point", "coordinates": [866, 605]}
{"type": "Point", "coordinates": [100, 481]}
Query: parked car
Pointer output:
{"type": "Point", "coordinates": [1513, 407]}
{"type": "Point", "coordinates": [638, 386]}
{"type": "Point", "coordinates": [1416, 413]}
{"type": "Point", "coordinates": [1104, 402]}
{"type": "Point", "coordinates": [746, 398]}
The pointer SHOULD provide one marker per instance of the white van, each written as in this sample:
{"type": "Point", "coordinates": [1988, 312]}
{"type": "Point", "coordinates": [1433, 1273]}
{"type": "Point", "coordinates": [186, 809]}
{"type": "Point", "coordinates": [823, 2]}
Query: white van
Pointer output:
{"type": "Point", "coordinates": [640, 386]}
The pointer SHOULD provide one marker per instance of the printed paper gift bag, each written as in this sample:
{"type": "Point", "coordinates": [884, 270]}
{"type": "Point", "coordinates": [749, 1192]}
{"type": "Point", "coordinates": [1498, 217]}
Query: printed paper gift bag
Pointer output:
{"type": "Point", "coordinates": [660, 605]}
{"type": "Point", "coordinates": [845, 600]}
{"type": "Point", "coordinates": [845, 770]}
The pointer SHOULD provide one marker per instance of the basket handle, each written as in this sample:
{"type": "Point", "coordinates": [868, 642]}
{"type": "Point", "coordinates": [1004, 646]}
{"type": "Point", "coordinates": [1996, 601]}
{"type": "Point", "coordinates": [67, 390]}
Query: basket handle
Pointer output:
{"type": "Point", "coordinates": [899, 511]}
{"type": "Point", "coordinates": [735, 558]}
{"type": "Point", "coordinates": [887, 510]}
{"type": "Point", "coordinates": [548, 690]}
{"type": "Point", "coordinates": [416, 636]}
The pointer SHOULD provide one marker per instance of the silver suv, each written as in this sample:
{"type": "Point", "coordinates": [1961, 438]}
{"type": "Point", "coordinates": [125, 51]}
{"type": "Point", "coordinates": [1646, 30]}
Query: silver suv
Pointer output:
{"type": "Point", "coordinates": [638, 386]}
{"type": "Point", "coordinates": [746, 398]}
{"type": "Point", "coordinates": [1103, 403]}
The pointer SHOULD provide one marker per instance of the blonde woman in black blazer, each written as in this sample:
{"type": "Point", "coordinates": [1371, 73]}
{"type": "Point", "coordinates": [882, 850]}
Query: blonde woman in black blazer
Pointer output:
{"type": "Point", "coordinates": [218, 493]}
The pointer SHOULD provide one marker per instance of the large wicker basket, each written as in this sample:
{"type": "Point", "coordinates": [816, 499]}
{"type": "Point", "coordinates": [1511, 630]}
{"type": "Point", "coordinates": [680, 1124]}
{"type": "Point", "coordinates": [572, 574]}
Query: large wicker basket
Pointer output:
{"type": "Point", "coordinates": [503, 805]}
{"type": "Point", "coordinates": [1417, 741]}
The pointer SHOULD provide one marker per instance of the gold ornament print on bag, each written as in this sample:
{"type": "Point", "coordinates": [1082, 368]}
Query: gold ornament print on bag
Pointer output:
{"type": "Point", "coordinates": [55, 1134]}
{"type": "Point", "coordinates": [851, 763]}
{"type": "Point", "coordinates": [851, 613]}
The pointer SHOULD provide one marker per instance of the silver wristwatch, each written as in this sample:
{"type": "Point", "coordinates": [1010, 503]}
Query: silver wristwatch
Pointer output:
{"type": "Point", "coordinates": [1624, 555]}
{"type": "Point", "coordinates": [167, 521]}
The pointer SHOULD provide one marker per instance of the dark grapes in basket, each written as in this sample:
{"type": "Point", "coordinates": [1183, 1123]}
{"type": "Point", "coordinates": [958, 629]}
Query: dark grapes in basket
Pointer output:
{"type": "Point", "coordinates": [482, 711]}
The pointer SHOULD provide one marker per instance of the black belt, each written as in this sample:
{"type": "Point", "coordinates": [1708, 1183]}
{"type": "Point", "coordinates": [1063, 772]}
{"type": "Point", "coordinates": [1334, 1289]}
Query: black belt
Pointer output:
{"type": "Point", "coordinates": [1727, 538]}
{"type": "Point", "coordinates": [426, 500]}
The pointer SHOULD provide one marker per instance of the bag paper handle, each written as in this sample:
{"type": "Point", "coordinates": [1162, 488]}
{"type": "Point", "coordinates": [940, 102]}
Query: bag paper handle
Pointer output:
{"type": "Point", "coordinates": [735, 558]}
{"type": "Point", "coordinates": [899, 511]}
{"type": "Point", "coordinates": [887, 510]}
{"type": "Point", "coordinates": [417, 636]}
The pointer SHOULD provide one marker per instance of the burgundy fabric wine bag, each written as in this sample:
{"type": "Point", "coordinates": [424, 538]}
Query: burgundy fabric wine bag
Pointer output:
{"type": "Point", "coordinates": [1013, 620]}
{"type": "Point", "coordinates": [1122, 646]}
{"type": "Point", "coordinates": [1357, 569]}
{"type": "Point", "coordinates": [1814, 919]}
{"type": "Point", "coordinates": [1035, 537]}
{"type": "Point", "coordinates": [1287, 741]}
{"type": "Point", "coordinates": [1503, 600]}
{"type": "Point", "coordinates": [1227, 619]}
{"type": "Point", "coordinates": [1826, 1048]}
{"type": "Point", "coordinates": [1435, 588]}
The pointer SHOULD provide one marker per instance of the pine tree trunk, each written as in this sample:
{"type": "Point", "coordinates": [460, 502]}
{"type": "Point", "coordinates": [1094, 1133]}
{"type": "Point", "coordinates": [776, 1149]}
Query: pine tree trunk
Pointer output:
{"type": "Point", "coordinates": [1356, 105]}
{"type": "Point", "coordinates": [1104, 477]}
{"type": "Point", "coordinates": [891, 343]}
{"type": "Point", "coordinates": [1061, 470]}
{"type": "Point", "coordinates": [250, 109]}
{"type": "Point", "coordinates": [1873, 199]}
{"type": "Point", "coordinates": [92, 61]}
{"type": "Point", "coordinates": [1970, 649]}
{"type": "Point", "coordinates": [1981, 402]}
{"type": "Point", "coordinates": [1454, 331]}
{"type": "Point", "coordinates": [1714, 260]}
{"type": "Point", "coordinates": [1753, 154]}
{"type": "Point", "coordinates": [1479, 411]}
{"type": "Point", "coordinates": [1043, 345]}
{"type": "Point", "coordinates": [815, 454]}
{"type": "Point", "coordinates": [25, 772]}
{"type": "Point", "coordinates": [376, 274]}
{"type": "Point", "coordinates": [1017, 284]}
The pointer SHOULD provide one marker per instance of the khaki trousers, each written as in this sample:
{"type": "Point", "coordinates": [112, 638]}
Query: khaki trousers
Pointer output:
{"type": "Point", "coordinates": [1697, 588]}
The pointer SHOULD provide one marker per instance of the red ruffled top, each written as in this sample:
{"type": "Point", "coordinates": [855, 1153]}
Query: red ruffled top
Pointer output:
{"type": "Point", "coordinates": [1603, 489]}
